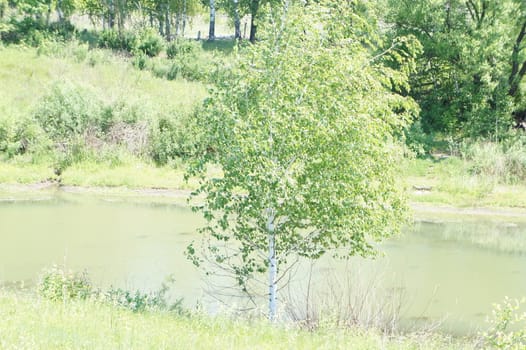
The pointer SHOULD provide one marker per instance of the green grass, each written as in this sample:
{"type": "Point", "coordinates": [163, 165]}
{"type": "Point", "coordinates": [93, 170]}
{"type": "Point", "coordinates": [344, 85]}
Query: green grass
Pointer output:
{"type": "Point", "coordinates": [26, 76]}
{"type": "Point", "coordinates": [29, 322]}
{"type": "Point", "coordinates": [132, 175]}
{"type": "Point", "coordinates": [19, 173]}
{"type": "Point", "coordinates": [449, 182]}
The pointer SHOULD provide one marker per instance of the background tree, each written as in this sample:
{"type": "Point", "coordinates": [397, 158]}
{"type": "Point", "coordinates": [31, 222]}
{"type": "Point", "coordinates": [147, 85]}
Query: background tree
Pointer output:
{"type": "Point", "coordinates": [302, 127]}
{"type": "Point", "coordinates": [468, 79]}
{"type": "Point", "coordinates": [232, 8]}
{"type": "Point", "coordinates": [212, 5]}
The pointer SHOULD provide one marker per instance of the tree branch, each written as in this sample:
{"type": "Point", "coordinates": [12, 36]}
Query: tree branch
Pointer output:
{"type": "Point", "coordinates": [469, 3]}
{"type": "Point", "coordinates": [516, 75]}
{"type": "Point", "coordinates": [473, 7]}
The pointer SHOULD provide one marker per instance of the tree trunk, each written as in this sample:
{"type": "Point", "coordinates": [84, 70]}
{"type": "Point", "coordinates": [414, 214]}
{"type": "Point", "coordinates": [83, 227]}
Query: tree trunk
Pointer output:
{"type": "Point", "coordinates": [111, 14]}
{"type": "Point", "coordinates": [121, 14]}
{"type": "Point", "coordinates": [177, 24]}
{"type": "Point", "coordinates": [212, 28]}
{"type": "Point", "coordinates": [237, 22]}
{"type": "Point", "coordinates": [517, 74]}
{"type": "Point", "coordinates": [184, 18]}
{"type": "Point", "coordinates": [167, 23]}
{"type": "Point", "coordinates": [254, 8]}
{"type": "Point", "coordinates": [60, 14]}
{"type": "Point", "coordinates": [160, 19]}
{"type": "Point", "coordinates": [273, 267]}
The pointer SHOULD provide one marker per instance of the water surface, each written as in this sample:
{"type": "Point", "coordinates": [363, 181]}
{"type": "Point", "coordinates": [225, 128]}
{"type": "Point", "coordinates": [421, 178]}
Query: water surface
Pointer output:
{"type": "Point", "coordinates": [445, 268]}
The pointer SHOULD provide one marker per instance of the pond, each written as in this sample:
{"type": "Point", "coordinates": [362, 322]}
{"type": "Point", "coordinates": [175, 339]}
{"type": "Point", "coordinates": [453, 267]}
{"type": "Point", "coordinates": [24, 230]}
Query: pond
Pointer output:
{"type": "Point", "coordinates": [447, 268]}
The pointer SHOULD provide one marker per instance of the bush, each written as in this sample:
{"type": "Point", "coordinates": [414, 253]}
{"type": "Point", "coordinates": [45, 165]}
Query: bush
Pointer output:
{"type": "Point", "coordinates": [150, 43]}
{"type": "Point", "coordinates": [63, 30]}
{"type": "Point", "coordinates": [69, 153]}
{"type": "Point", "coordinates": [67, 111]}
{"type": "Point", "coordinates": [174, 71]}
{"type": "Point", "coordinates": [507, 326]}
{"type": "Point", "coordinates": [6, 133]}
{"type": "Point", "coordinates": [140, 61]}
{"type": "Point", "coordinates": [57, 284]}
{"type": "Point", "coordinates": [181, 47]}
{"type": "Point", "coordinates": [138, 301]}
{"type": "Point", "coordinates": [111, 39]}
{"type": "Point", "coordinates": [30, 137]}
{"type": "Point", "coordinates": [34, 32]}
{"type": "Point", "coordinates": [417, 140]}
{"type": "Point", "coordinates": [28, 30]}
{"type": "Point", "coordinates": [174, 138]}
{"type": "Point", "coordinates": [21, 135]}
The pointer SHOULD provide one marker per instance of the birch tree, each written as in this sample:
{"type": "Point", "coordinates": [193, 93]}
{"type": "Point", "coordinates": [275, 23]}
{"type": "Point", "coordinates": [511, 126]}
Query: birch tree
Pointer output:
{"type": "Point", "coordinates": [212, 24]}
{"type": "Point", "coordinates": [302, 128]}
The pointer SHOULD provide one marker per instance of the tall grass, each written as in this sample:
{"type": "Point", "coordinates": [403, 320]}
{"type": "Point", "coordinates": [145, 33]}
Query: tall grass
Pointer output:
{"type": "Point", "coordinates": [479, 173]}
{"type": "Point", "coordinates": [503, 162]}
{"type": "Point", "coordinates": [29, 322]}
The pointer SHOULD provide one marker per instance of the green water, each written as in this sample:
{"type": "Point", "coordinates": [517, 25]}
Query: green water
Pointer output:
{"type": "Point", "coordinates": [448, 269]}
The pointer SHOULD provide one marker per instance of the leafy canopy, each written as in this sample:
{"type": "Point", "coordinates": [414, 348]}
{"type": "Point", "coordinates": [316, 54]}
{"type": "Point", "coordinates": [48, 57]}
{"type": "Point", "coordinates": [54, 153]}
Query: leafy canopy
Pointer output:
{"type": "Point", "coordinates": [302, 126]}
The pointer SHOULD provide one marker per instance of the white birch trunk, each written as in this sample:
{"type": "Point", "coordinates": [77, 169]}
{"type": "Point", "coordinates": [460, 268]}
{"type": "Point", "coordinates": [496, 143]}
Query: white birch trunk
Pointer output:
{"type": "Point", "coordinates": [273, 267]}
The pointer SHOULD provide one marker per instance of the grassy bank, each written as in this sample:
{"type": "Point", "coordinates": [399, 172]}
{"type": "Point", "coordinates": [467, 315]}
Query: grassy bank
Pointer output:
{"type": "Point", "coordinates": [452, 181]}
{"type": "Point", "coordinates": [428, 182]}
{"type": "Point", "coordinates": [29, 322]}
{"type": "Point", "coordinates": [136, 129]}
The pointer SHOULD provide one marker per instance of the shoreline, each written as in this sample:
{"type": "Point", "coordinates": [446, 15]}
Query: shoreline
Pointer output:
{"type": "Point", "coordinates": [53, 187]}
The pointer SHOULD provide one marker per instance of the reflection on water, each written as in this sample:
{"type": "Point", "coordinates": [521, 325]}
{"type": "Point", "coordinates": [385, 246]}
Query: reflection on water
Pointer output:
{"type": "Point", "coordinates": [451, 269]}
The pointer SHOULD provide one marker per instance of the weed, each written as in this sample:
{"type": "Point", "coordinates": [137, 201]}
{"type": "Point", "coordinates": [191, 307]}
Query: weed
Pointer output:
{"type": "Point", "coordinates": [58, 284]}
{"type": "Point", "coordinates": [507, 326]}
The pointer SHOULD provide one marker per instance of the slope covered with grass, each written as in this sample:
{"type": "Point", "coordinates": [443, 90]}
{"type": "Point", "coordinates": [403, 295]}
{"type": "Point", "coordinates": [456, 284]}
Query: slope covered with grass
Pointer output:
{"type": "Point", "coordinates": [63, 105]}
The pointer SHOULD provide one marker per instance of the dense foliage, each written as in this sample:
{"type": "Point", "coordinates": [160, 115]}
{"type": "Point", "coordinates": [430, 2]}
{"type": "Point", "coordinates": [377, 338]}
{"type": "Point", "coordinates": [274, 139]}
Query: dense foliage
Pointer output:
{"type": "Point", "coordinates": [469, 75]}
{"type": "Point", "coordinates": [303, 128]}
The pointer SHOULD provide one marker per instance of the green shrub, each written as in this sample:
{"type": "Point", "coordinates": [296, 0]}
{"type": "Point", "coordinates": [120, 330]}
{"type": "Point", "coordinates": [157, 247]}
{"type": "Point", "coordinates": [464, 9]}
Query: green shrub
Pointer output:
{"type": "Point", "coordinates": [138, 301]}
{"type": "Point", "coordinates": [62, 30]}
{"type": "Point", "coordinates": [507, 326]}
{"type": "Point", "coordinates": [71, 152]}
{"type": "Point", "coordinates": [181, 47]}
{"type": "Point", "coordinates": [28, 30]}
{"type": "Point", "coordinates": [173, 138]}
{"type": "Point", "coordinates": [7, 130]}
{"type": "Point", "coordinates": [150, 43]}
{"type": "Point", "coordinates": [140, 61]}
{"type": "Point", "coordinates": [193, 71]}
{"type": "Point", "coordinates": [174, 71]}
{"type": "Point", "coordinates": [417, 140]}
{"type": "Point", "coordinates": [34, 31]}
{"type": "Point", "coordinates": [30, 137]}
{"type": "Point", "coordinates": [57, 284]}
{"type": "Point", "coordinates": [111, 39]}
{"type": "Point", "coordinates": [22, 135]}
{"type": "Point", "coordinates": [67, 111]}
